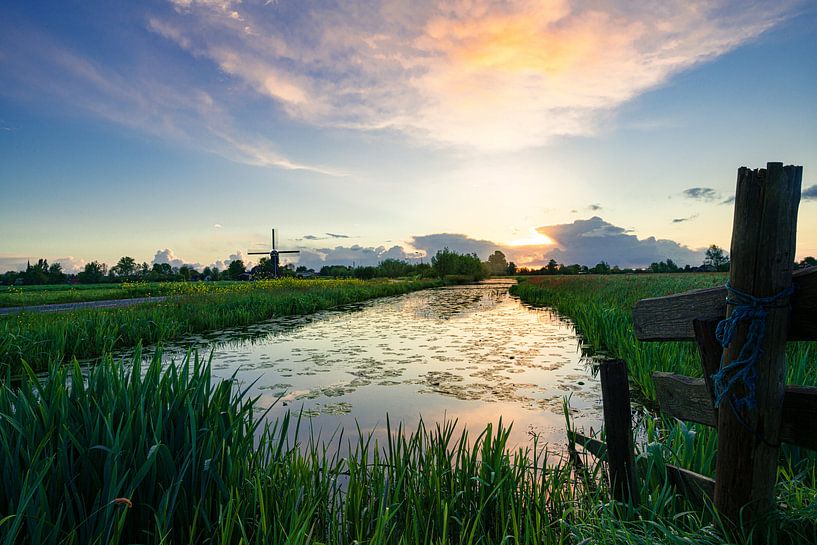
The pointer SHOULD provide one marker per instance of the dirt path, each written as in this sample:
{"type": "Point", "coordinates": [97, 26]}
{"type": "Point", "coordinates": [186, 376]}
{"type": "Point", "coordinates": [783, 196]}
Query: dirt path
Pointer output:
{"type": "Point", "coordinates": [60, 307]}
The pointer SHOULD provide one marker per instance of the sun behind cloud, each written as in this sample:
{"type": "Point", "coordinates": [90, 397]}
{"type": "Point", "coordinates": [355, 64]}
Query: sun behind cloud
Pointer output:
{"type": "Point", "coordinates": [534, 238]}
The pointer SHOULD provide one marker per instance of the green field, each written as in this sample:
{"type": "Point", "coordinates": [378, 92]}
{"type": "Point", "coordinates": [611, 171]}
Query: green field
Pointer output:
{"type": "Point", "coordinates": [18, 296]}
{"type": "Point", "coordinates": [153, 453]}
{"type": "Point", "coordinates": [43, 338]}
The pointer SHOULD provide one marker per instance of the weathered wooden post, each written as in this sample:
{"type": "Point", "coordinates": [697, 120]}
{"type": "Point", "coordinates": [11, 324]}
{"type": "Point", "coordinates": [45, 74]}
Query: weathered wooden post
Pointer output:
{"type": "Point", "coordinates": [615, 394]}
{"type": "Point", "coordinates": [762, 253]}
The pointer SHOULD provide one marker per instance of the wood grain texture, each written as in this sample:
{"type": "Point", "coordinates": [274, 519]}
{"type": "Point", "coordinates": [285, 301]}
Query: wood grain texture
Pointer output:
{"type": "Point", "coordinates": [682, 398]}
{"type": "Point", "coordinates": [670, 318]}
{"type": "Point", "coordinates": [615, 393]}
{"type": "Point", "coordinates": [698, 488]}
{"type": "Point", "coordinates": [762, 253]}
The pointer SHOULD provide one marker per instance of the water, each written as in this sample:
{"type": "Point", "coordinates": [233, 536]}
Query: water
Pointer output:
{"type": "Point", "coordinates": [472, 353]}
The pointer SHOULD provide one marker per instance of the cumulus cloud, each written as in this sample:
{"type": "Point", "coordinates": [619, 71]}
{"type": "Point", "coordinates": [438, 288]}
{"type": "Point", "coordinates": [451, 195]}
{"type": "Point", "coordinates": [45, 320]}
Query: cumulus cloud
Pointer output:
{"type": "Point", "coordinates": [222, 264]}
{"type": "Point", "coordinates": [590, 241]}
{"type": "Point", "coordinates": [361, 256]}
{"type": "Point", "coordinates": [481, 73]}
{"type": "Point", "coordinates": [168, 256]}
{"type": "Point", "coordinates": [809, 194]}
{"type": "Point", "coordinates": [70, 264]}
{"type": "Point", "coordinates": [701, 194]}
{"type": "Point", "coordinates": [430, 244]}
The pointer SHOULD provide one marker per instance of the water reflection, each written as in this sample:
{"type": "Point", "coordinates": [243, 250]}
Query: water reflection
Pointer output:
{"type": "Point", "coordinates": [473, 353]}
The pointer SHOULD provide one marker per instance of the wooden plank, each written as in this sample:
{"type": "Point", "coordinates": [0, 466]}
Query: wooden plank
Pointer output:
{"type": "Point", "coordinates": [696, 487]}
{"type": "Point", "coordinates": [670, 318]}
{"type": "Point", "coordinates": [762, 252]}
{"type": "Point", "coordinates": [684, 398]}
{"type": "Point", "coordinates": [799, 427]}
{"type": "Point", "coordinates": [590, 444]}
{"type": "Point", "coordinates": [615, 393]}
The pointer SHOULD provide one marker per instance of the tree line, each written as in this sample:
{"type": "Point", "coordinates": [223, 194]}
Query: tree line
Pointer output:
{"type": "Point", "coordinates": [444, 264]}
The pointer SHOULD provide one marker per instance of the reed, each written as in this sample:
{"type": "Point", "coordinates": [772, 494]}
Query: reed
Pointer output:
{"type": "Point", "coordinates": [144, 454]}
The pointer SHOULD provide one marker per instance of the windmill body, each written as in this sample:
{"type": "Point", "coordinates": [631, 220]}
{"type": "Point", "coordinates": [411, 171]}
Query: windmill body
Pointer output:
{"type": "Point", "coordinates": [274, 256]}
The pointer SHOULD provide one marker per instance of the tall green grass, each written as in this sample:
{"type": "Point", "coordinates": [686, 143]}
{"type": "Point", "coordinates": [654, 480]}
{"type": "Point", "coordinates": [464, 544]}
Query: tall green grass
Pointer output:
{"type": "Point", "coordinates": [601, 307]}
{"type": "Point", "coordinates": [146, 455]}
{"type": "Point", "coordinates": [40, 338]}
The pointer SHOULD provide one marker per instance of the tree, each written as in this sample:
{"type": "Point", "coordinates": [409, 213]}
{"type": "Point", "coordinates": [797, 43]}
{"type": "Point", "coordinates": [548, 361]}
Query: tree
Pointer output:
{"type": "Point", "coordinates": [236, 269]}
{"type": "Point", "coordinates": [497, 264]}
{"type": "Point", "coordinates": [393, 268]}
{"type": "Point", "coordinates": [716, 258]}
{"type": "Point", "coordinates": [94, 272]}
{"type": "Point", "coordinates": [37, 273]}
{"type": "Point", "coordinates": [125, 267]}
{"type": "Point", "coordinates": [162, 269]}
{"type": "Point", "coordinates": [511, 269]}
{"type": "Point", "coordinates": [55, 274]}
{"type": "Point", "coordinates": [552, 267]}
{"type": "Point", "coordinates": [601, 268]}
{"type": "Point", "coordinates": [448, 263]}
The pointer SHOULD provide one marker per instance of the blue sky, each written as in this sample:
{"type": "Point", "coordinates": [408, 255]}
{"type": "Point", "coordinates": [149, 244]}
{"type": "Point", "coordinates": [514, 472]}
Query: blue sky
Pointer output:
{"type": "Point", "coordinates": [184, 130]}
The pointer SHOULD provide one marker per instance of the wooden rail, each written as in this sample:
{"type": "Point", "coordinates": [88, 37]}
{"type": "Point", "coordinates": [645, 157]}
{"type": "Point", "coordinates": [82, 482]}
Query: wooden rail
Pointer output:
{"type": "Point", "coordinates": [687, 398]}
{"type": "Point", "coordinates": [670, 318]}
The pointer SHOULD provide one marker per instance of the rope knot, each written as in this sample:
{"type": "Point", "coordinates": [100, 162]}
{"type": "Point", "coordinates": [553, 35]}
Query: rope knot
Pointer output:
{"type": "Point", "coordinates": [753, 309]}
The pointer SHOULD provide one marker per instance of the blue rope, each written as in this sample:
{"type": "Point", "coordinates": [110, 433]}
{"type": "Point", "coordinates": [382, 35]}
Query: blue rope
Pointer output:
{"type": "Point", "coordinates": [743, 369]}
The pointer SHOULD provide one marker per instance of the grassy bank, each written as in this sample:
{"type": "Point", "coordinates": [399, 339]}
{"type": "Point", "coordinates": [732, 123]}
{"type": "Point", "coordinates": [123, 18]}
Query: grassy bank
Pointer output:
{"type": "Point", "coordinates": [41, 338]}
{"type": "Point", "coordinates": [168, 456]}
{"type": "Point", "coordinates": [601, 307]}
{"type": "Point", "coordinates": [18, 296]}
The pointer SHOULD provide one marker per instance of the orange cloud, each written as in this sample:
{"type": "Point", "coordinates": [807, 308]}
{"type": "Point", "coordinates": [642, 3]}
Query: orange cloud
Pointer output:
{"type": "Point", "coordinates": [476, 73]}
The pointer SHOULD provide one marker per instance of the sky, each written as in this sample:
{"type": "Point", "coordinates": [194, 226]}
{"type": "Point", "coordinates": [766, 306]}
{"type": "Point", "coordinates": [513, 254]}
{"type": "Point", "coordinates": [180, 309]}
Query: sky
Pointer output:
{"type": "Point", "coordinates": [182, 131]}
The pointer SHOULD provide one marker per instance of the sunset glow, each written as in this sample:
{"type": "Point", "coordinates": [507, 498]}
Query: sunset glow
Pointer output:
{"type": "Point", "coordinates": [462, 122]}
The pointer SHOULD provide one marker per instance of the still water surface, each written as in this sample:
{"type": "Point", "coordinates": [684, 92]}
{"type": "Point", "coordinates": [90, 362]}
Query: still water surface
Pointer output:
{"type": "Point", "coordinates": [472, 353]}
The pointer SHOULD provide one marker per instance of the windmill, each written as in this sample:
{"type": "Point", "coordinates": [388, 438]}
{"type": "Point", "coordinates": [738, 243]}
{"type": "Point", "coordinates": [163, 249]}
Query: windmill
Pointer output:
{"type": "Point", "coordinates": [273, 255]}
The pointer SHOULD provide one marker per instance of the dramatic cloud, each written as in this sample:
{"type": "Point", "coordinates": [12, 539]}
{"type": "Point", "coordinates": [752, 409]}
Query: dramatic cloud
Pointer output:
{"type": "Point", "coordinates": [430, 244]}
{"type": "Point", "coordinates": [360, 256]}
{"type": "Point", "coordinates": [591, 241]}
{"type": "Point", "coordinates": [682, 220]}
{"type": "Point", "coordinates": [809, 194]}
{"type": "Point", "coordinates": [701, 194]}
{"type": "Point", "coordinates": [479, 73]}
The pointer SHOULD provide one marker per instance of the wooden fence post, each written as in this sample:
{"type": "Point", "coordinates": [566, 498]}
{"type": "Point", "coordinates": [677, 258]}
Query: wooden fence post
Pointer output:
{"type": "Point", "coordinates": [762, 253]}
{"type": "Point", "coordinates": [615, 393]}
